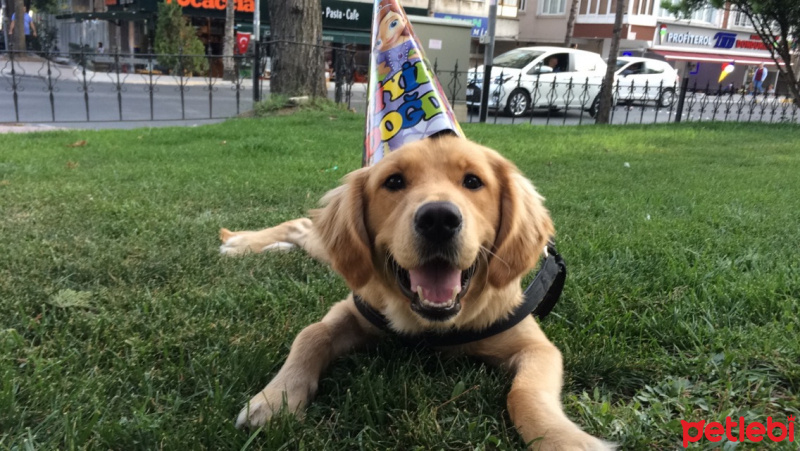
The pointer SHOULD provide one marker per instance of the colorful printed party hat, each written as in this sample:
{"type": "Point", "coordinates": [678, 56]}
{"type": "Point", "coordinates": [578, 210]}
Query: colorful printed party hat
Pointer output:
{"type": "Point", "coordinates": [405, 101]}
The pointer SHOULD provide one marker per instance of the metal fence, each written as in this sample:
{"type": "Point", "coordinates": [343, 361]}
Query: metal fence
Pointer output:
{"type": "Point", "coordinates": [95, 87]}
{"type": "Point", "coordinates": [90, 87]}
{"type": "Point", "coordinates": [573, 99]}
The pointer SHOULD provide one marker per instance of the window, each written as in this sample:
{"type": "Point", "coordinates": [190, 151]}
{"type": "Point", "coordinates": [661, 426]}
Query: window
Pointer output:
{"type": "Point", "coordinates": [740, 19]}
{"type": "Point", "coordinates": [507, 8]}
{"type": "Point", "coordinates": [523, 4]}
{"type": "Point", "coordinates": [516, 59]}
{"type": "Point", "coordinates": [553, 7]}
{"type": "Point", "coordinates": [708, 15]}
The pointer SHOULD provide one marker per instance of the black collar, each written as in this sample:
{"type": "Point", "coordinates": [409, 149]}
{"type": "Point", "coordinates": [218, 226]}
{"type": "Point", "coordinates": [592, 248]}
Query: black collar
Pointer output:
{"type": "Point", "coordinates": [539, 298]}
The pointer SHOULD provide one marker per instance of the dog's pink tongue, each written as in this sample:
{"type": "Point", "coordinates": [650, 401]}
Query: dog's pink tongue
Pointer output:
{"type": "Point", "coordinates": [437, 281]}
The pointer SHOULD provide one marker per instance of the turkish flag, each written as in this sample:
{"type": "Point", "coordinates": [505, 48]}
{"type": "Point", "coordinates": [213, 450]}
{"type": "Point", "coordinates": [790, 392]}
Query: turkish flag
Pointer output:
{"type": "Point", "coordinates": [242, 42]}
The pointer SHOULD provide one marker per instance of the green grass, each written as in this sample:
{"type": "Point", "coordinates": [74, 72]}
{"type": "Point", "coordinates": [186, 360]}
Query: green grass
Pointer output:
{"type": "Point", "coordinates": [121, 327]}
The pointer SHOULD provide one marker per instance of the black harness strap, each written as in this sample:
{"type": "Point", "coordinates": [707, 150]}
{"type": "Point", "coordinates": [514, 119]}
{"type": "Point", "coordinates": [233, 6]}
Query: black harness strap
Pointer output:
{"type": "Point", "coordinates": [539, 299]}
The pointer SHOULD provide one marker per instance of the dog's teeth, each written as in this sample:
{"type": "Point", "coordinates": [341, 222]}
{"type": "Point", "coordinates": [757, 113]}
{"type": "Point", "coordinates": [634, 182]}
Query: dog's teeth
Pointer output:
{"type": "Point", "coordinates": [456, 290]}
{"type": "Point", "coordinates": [429, 303]}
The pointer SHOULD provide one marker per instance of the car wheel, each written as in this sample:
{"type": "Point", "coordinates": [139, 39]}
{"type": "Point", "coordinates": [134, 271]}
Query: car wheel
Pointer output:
{"type": "Point", "coordinates": [518, 103]}
{"type": "Point", "coordinates": [667, 98]}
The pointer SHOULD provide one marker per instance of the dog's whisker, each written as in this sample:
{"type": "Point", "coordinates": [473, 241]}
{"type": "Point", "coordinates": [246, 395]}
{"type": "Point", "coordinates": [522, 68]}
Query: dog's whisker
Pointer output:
{"type": "Point", "coordinates": [489, 252]}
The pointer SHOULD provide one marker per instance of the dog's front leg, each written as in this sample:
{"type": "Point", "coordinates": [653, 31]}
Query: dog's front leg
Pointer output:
{"type": "Point", "coordinates": [534, 402]}
{"type": "Point", "coordinates": [284, 236]}
{"type": "Point", "coordinates": [314, 348]}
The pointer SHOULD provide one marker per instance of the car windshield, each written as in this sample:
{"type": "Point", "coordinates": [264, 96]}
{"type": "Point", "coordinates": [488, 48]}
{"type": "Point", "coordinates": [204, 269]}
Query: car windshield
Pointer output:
{"type": "Point", "coordinates": [516, 59]}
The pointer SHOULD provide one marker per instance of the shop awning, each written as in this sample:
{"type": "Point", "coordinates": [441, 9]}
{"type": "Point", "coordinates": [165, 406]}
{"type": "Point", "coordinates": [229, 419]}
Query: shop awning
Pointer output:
{"type": "Point", "coordinates": [109, 15]}
{"type": "Point", "coordinates": [713, 57]}
{"type": "Point", "coordinates": [346, 37]}
{"type": "Point", "coordinates": [339, 36]}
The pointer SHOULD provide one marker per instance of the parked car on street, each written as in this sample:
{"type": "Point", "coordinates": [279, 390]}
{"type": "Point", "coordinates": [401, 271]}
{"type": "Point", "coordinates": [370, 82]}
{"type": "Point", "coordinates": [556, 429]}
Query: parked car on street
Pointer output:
{"type": "Point", "coordinates": [645, 80]}
{"type": "Point", "coordinates": [528, 78]}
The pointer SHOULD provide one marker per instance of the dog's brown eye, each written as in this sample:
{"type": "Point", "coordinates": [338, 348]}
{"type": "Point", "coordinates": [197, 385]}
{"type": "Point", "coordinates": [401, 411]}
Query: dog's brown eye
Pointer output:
{"type": "Point", "coordinates": [395, 182]}
{"type": "Point", "coordinates": [471, 181]}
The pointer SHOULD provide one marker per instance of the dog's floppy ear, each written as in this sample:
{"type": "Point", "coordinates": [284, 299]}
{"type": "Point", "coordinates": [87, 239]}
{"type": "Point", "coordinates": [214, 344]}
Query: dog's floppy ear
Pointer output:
{"type": "Point", "coordinates": [525, 227]}
{"type": "Point", "coordinates": [341, 226]}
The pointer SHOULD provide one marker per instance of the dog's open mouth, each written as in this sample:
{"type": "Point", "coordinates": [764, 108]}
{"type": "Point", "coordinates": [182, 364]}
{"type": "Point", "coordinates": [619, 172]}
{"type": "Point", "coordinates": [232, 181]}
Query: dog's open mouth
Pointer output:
{"type": "Point", "coordinates": [435, 288]}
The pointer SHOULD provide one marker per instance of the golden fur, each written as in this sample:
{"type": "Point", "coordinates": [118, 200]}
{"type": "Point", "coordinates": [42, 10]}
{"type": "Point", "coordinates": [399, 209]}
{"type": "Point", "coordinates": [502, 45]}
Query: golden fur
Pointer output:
{"type": "Point", "coordinates": [362, 225]}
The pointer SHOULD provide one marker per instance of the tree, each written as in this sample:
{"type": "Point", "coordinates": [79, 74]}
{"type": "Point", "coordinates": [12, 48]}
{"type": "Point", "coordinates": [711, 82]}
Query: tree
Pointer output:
{"type": "Point", "coordinates": [175, 36]}
{"type": "Point", "coordinates": [19, 25]}
{"type": "Point", "coordinates": [298, 66]}
{"type": "Point", "coordinates": [607, 90]}
{"type": "Point", "coordinates": [777, 23]}
{"type": "Point", "coordinates": [228, 69]}
{"type": "Point", "coordinates": [573, 14]}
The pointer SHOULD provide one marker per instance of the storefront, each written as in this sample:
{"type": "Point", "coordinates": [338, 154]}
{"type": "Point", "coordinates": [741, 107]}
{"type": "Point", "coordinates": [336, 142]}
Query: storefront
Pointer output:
{"type": "Point", "coordinates": [701, 53]}
{"type": "Point", "coordinates": [344, 24]}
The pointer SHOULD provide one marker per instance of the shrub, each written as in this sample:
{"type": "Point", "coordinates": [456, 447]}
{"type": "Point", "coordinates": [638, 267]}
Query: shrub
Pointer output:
{"type": "Point", "coordinates": [176, 36]}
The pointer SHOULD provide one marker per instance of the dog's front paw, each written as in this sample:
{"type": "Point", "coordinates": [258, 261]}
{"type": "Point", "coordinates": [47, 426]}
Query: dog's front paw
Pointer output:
{"type": "Point", "coordinates": [238, 243]}
{"type": "Point", "coordinates": [263, 406]}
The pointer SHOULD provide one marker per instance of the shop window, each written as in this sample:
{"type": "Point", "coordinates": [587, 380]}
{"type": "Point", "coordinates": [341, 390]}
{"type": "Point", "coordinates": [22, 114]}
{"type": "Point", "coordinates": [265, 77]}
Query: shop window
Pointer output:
{"type": "Point", "coordinates": [553, 7]}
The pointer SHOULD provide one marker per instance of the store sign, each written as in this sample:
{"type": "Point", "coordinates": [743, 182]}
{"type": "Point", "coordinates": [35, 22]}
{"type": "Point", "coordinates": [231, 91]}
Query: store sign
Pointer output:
{"type": "Point", "coordinates": [479, 24]}
{"type": "Point", "coordinates": [670, 35]}
{"type": "Point", "coordinates": [338, 14]}
{"type": "Point", "coordinates": [242, 6]}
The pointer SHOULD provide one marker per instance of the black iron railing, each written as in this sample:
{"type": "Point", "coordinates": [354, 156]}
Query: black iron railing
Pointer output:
{"type": "Point", "coordinates": [88, 87]}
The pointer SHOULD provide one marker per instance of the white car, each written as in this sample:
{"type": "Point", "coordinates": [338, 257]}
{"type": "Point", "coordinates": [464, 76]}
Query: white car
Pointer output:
{"type": "Point", "coordinates": [539, 77]}
{"type": "Point", "coordinates": [645, 80]}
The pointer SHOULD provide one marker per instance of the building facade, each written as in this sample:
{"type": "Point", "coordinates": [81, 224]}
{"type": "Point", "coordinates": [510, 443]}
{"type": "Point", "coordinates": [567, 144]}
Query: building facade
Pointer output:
{"type": "Point", "coordinates": [698, 46]}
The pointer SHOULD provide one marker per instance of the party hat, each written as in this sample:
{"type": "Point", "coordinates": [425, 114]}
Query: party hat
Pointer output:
{"type": "Point", "coordinates": [405, 101]}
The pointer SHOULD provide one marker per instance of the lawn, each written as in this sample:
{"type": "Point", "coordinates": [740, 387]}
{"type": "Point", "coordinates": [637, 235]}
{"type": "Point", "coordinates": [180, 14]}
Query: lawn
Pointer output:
{"type": "Point", "coordinates": [122, 328]}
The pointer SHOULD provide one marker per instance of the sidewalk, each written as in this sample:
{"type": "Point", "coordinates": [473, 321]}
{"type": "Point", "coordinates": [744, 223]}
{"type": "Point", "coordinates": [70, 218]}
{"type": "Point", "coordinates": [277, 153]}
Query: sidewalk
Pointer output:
{"type": "Point", "coordinates": [26, 128]}
{"type": "Point", "coordinates": [37, 67]}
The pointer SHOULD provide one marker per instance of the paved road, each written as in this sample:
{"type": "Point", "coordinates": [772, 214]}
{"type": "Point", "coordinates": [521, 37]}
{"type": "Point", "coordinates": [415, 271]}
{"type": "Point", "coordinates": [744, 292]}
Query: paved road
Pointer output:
{"type": "Point", "coordinates": [133, 106]}
{"type": "Point", "coordinates": [133, 103]}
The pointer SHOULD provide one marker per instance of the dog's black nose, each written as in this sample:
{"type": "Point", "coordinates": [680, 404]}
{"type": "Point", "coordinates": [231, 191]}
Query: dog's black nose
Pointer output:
{"type": "Point", "coordinates": [437, 221]}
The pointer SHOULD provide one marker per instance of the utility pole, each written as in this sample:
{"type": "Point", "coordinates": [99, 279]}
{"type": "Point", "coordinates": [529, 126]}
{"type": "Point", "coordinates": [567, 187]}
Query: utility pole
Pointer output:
{"type": "Point", "coordinates": [256, 51]}
{"type": "Point", "coordinates": [488, 56]}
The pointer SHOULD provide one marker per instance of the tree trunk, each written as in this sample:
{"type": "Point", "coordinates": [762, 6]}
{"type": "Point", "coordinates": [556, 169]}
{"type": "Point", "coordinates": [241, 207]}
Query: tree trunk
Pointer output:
{"type": "Point", "coordinates": [573, 14]}
{"type": "Point", "coordinates": [298, 66]}
{"type": "Point", "coordinates": [19, 25]}
{"type": "Point", "coordinates": [607, 91]}
{"type": "Point", "coordinates": [228, 69]}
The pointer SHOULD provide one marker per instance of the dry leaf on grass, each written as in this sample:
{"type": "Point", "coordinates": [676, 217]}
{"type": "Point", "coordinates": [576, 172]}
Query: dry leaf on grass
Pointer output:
{"type": "Point", "coordinates": [72, 164]}
{"type": "Point", "coordinates": [80, 143]}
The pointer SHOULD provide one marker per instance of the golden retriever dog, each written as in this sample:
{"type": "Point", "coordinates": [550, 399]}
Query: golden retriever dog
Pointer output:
{"type": "Point", "coordinates": [436, 237]}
